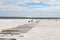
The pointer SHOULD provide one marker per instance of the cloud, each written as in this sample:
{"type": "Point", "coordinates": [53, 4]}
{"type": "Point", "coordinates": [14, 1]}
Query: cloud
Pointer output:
{"type": "Point", "coordinates": [46, 8]}
{"type": "Point", "coordinates": [8, 2]}
{"type": "Point", "coordinates": [52, 2]}
{"type": "Point", "coordinates": [20, 4]}
{"type": "Point", "coordinates": [36, 12]}
{"type": "Point", "coordinates": [30, 3]}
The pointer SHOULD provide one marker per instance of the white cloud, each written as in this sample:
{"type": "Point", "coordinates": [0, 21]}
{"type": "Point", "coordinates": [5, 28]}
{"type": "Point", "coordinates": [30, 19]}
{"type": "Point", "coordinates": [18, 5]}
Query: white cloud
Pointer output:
{"type": "Point", "coordinates": [16, 2]}
{"type": "Point", "coordinates": [52, 2]}
{"type": "Point", "coordinates": [49, 11]}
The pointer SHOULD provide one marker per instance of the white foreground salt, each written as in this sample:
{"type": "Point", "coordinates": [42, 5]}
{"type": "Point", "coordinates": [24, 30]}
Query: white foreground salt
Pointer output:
{"type": "Point", "coordinates": [12, 23]}
{"type": "Point", "coordinates": [44, 30]}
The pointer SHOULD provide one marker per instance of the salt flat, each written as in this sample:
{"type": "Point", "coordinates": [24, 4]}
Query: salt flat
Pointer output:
{"type": "Point", "coordinates": [11, 23]}
{"type": "Point", "coordinates": [44, 30]}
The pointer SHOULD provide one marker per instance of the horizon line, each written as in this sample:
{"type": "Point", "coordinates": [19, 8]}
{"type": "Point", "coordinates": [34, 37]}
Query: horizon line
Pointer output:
{"type": "Point", "coordinates": [29, 17]}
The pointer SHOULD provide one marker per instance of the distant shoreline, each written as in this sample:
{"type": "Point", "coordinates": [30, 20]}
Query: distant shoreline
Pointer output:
{"type": "Point", "coordinates": [29, 17]}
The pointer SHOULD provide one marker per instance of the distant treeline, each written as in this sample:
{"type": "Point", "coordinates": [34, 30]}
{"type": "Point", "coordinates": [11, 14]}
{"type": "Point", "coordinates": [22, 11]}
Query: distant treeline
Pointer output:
{"type": "Point", "coordinates": [29, 17]}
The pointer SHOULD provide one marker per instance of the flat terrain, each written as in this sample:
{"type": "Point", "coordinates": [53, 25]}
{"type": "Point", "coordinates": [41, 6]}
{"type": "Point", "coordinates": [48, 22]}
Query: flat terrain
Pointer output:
{"type": "Point", "coordinates": [45, 29]}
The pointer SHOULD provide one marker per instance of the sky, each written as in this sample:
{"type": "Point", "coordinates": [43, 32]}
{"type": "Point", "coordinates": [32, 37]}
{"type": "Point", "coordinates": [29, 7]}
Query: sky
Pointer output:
{"type": "Point", "coordinates": [30, 8]}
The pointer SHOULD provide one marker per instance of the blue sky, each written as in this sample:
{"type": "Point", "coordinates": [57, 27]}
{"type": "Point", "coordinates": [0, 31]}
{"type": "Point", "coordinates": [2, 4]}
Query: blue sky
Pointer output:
{"type": "Point", "coordinates": [30, 8]}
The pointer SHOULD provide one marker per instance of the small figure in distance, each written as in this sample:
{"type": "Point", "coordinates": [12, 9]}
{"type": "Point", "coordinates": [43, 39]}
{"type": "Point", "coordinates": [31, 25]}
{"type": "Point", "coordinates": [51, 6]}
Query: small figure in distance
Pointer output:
{"type": "Point", "coordinates": [31, 20]}
{"type": "Point", "coordinates": [28, 21]}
